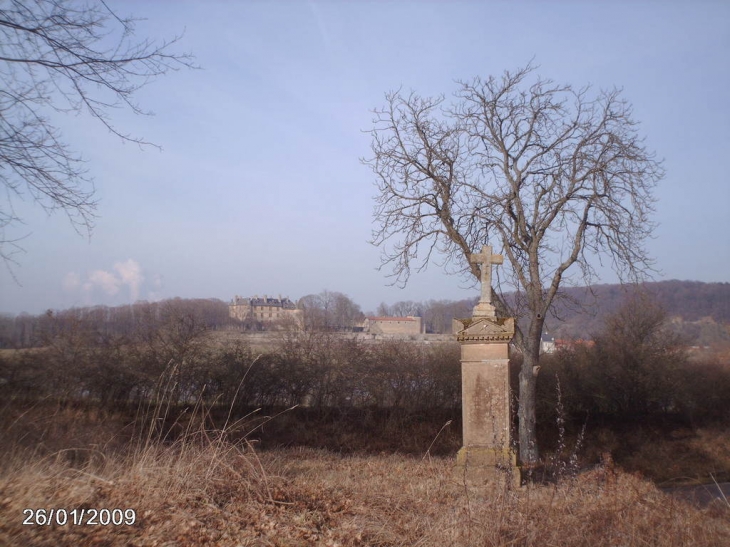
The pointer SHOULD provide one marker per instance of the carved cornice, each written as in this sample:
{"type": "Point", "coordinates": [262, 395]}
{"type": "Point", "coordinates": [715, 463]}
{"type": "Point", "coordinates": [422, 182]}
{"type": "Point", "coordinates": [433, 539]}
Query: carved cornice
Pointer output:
{"type": "Point", "coordinates": [482, 329]}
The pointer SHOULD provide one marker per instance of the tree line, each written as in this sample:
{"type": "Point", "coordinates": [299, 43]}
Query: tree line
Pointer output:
{"type": "Point", "coordinates": [331, 310]}
{"type": "Point", "coordinates": [325, 311]}
{"type": "Point", "coordinates": [26, 330]}
{"type": "Point", "coordinates": [171, 351]}
{"type": "Point", "coordinates": [579, 314]}
{"type": "Point", "coordinates": [636, 369]}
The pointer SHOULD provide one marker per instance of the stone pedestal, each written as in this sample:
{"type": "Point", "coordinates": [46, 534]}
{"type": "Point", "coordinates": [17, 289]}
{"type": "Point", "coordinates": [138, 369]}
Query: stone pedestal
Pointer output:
{"type": "Point", "coordinates": [487, 455]}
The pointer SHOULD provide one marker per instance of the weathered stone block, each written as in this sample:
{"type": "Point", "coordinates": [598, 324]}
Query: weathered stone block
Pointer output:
{"type": "Point", "coordinates": [487, 455]}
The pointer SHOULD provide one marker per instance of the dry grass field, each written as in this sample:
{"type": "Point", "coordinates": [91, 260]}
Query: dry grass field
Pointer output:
{"type": "Point", "coordinates": [203, 490]}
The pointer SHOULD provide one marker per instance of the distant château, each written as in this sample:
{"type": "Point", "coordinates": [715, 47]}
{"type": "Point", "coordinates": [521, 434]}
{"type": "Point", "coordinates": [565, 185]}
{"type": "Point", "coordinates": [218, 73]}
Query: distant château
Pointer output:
{"type": "Point", "coordinates": [264, 310]}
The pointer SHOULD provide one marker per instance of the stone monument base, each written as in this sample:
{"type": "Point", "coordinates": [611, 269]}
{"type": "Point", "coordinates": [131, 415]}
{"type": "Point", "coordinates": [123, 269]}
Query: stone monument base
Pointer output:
{"type": "Point", "coordinates": [487, 466]}
{"type": "Point", "coordinates": [486, 409]}
{"type": "Point", "coordinates": [483, 456]}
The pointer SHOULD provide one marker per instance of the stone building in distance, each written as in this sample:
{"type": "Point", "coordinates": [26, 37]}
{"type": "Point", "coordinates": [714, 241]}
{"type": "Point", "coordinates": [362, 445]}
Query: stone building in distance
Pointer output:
{"type": "Point", "coordinates": [270, 313]}
{"type": "Point", "coordinates": [265, 310]}
{"type": "Point", "coordinates": [393, 325]}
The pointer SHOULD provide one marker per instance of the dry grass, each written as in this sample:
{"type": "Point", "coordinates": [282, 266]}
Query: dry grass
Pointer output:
{"type": "Point", "coordinates": [204, 491]}
{"type": "Point", "coordinates": [681, 456]}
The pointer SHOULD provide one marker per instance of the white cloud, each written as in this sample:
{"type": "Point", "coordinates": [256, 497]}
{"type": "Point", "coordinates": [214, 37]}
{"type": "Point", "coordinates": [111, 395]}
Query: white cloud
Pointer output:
{"type": "Point", "coordinates": [106, 281]}
{"type": "Point", "coordinates": [127, 273]}
{"type": "Point", "coordinates": [130, 273]}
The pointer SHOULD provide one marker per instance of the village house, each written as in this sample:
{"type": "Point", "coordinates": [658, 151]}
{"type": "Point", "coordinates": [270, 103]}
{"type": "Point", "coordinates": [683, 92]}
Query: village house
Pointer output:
{"type": "Point", "coordinates": [547, 343]}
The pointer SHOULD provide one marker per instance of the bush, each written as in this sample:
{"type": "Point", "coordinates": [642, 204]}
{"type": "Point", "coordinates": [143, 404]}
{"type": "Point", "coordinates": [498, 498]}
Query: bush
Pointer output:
{"type": "Point", "coordinates": [636, 370]}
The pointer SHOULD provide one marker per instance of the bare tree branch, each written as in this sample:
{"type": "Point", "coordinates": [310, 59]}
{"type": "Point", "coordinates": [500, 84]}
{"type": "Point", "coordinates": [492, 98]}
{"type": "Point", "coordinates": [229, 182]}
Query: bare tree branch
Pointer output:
{"type": "Point", "coordinates": [552, 176]}
{"type": "Point", "coordinates": [62, 56]}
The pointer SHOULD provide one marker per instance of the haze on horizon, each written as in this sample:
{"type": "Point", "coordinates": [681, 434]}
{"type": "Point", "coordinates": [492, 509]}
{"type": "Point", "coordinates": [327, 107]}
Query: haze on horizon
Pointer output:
{"type": "Point", "coordinates": [259, 189]}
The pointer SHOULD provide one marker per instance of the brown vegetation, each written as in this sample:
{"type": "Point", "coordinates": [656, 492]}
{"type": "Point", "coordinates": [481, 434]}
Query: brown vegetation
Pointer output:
{"type": "Point", "coordinates": [354, 442]}
{"type": "Point", "coordinates": [204, 490]}
{"type": "Point", "coordinates": [634, 386]}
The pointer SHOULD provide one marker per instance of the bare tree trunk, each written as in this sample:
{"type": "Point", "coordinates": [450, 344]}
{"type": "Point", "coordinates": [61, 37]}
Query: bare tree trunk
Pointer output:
{"type": "Point", "coordinates": [529, 452]}
{"type": "Point", "coordinates": [526, 410]}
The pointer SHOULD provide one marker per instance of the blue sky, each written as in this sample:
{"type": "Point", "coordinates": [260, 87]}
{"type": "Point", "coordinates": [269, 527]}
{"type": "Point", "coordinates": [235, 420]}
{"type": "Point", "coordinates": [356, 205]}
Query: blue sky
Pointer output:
{"type": "Point", "coordinates": [259, 189]}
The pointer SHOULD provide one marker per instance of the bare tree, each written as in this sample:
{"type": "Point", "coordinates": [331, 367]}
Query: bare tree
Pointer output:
{"type": "Point", "coordinates": [58, 56]}
{"type": "Point", "coordinates": [438, 315]}
{"type": "Point", "coordinates": [402, 308]}
{"type": "Point", "coordinates": [329, 310]}
{"type": "Point", "coordinates": [552, 176]}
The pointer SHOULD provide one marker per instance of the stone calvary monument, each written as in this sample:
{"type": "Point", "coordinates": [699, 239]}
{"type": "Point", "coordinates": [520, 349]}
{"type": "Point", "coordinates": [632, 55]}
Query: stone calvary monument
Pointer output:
{"type": "Point", "coordinates": [487, 455]}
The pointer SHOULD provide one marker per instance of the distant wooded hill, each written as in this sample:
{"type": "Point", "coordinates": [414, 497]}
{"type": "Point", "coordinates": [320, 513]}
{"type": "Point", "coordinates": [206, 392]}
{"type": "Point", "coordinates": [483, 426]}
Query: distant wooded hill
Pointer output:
{"type": "Point", "coordinates": [700, 311]}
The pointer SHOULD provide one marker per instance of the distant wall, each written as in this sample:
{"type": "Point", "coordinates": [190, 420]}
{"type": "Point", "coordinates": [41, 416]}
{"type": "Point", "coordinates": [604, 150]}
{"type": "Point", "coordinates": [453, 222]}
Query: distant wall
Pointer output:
{"type": "Point", "coordinates": [393, 325]}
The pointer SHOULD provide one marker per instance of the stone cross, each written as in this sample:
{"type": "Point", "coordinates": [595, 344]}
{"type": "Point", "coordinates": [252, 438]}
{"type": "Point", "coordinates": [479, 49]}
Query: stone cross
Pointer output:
{"type": "Point", "coordinates": [486, 415]}
{"type": "Point", "coordinates": [485, 259]}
